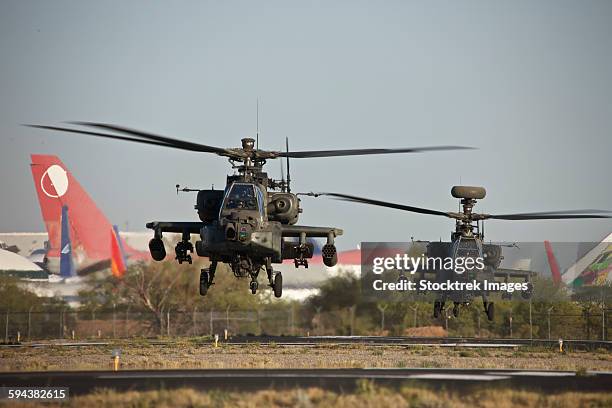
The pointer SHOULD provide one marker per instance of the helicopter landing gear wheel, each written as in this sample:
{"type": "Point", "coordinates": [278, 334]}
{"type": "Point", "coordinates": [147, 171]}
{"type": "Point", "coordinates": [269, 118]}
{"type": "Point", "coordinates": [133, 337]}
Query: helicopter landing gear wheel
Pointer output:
{"type": "Point", "coordinates": [204, 276]}
{"type": "Point", "coordinates": [491, 311]}
{"type": "Point", "coordinates": [253, 285]}
{"type": "Point", "coordinates": [278, 285]}
{"type": "Point", "coordinates": [437, 309]}
{"type": "Point", "coordinates": [456, 310]}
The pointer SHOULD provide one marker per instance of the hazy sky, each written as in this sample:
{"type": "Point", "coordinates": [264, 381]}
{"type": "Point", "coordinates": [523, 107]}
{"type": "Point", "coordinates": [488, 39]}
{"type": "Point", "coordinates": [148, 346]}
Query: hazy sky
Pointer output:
{"type": "Point", "coordinates": [528, 83]}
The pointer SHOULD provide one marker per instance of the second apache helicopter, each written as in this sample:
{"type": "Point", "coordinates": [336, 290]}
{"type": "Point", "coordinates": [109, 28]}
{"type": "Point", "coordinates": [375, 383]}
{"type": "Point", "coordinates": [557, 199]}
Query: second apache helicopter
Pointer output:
{"type": "Point", "coordinates": [248, 224]}
{"type": "Point", "coordinates": [467, 241]}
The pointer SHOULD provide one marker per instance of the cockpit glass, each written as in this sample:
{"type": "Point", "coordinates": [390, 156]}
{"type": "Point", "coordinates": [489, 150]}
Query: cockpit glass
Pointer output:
{"type": "Point", "coordinates": [241, 196]}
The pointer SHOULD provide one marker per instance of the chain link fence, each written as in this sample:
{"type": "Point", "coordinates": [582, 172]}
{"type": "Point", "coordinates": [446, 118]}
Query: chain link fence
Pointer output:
{"type": "Point", "coordinates": [418, 322]}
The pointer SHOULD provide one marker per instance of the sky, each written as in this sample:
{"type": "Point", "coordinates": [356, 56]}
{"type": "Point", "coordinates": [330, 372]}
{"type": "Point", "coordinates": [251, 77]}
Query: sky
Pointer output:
{"type": "Point", "coordinates": [527, 83]}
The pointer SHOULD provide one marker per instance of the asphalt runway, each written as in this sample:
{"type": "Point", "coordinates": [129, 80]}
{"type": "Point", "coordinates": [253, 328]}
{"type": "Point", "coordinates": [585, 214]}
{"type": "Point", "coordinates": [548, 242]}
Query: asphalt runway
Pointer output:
{"type": "Point", "coordinates": [460, 380]}
{"type": "Point", "coordinates": [375, 341]}
{"type": "Point", "coordinates": [470, 342]}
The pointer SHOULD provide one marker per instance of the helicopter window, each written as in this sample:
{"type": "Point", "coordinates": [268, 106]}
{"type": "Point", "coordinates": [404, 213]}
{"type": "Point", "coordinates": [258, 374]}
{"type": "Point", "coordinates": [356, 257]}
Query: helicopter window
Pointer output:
{"type": "Point", "coordinates": [467, 248]}
{"type": "Point", "coordinates": [241, 196]}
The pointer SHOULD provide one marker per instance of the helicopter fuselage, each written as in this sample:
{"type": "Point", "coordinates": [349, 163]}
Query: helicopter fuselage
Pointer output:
{"type": "Point", "coordinates": [247, 227]}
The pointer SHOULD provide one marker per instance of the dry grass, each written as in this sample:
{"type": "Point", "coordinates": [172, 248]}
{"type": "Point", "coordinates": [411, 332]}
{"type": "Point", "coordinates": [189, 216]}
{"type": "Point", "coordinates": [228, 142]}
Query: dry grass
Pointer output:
{"type": "Point", "coordinates": [142, 355]}
{"type": "Point", "coordinates": [426, 331]}
{"type": "Point", "coordinates": [365, 396]}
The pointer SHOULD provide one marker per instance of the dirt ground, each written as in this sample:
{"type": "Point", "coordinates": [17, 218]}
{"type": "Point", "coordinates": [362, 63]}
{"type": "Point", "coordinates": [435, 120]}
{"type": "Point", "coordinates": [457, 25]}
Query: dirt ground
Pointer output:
{"type": "Point", "coordinates": [144, 355]}
{"type": "Point", "coordinates": [367, 396]}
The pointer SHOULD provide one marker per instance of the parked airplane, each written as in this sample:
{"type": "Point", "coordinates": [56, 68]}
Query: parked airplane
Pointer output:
{"type": "Point", "coordinates": [65, 205]}
{"type": "Point", "coordinates": [592, 269]}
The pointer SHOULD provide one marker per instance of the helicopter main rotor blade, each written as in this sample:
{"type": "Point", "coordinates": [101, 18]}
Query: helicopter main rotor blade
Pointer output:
{"type": "Point", "coordinates": [362, 152]}
{"type": "Point", "coordinates": [85, 132]}
{"type": "Point", "coordinates": [552, 215]}
{"type": "Point", "coordinates": [150, 136]}
{"type": "Point", "coordinates": [386, 204]}
{"type": "Point", "coordinates": [143, 137]}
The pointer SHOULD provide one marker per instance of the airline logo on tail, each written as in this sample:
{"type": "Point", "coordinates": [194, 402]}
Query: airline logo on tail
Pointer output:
{"type": "Point", "coordinates": [67, 269]}
{"type": "Point", "coordinates": [54, 181]}
{"type": "Point", "coordinates": [88, 228]}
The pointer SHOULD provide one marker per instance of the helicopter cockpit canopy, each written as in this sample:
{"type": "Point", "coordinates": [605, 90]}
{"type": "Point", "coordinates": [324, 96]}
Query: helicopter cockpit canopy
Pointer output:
{"type": "Point", "coordinates": [467, 248]}
{"type": "Point", "coordinates": [244, 196]}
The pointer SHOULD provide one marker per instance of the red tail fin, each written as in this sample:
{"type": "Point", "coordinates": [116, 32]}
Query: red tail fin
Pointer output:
{"type": "Point", "coordinates": [117, 263]}
{"type": "Point", "coordinates": [552, 262]}
{"type": "Point", "coordinates": [56, 187]}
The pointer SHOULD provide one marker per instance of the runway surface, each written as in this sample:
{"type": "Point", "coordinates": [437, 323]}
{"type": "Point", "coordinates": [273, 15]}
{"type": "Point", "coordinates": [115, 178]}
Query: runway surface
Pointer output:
{"type": "Point", "coordinates": [376, 341]}
{"type": "Point", "coordinates": [473, 342]}
{"type": "Point", "coordinates": [82, 382]}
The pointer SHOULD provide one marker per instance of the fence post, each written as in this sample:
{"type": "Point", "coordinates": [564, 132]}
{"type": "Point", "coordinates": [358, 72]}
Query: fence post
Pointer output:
{"type": "Point", "coordinates": [382, 307]}
{"type": "Point", "coordinates": [530, 322]}
{"type": "Point", "coordinates": [510, 318]}
{"type": "Point", "coordinates": [353, 319]}
{"type": "Point", "coordinates": [211, 322]}
{"type": "Point", "coordinates": [289, 319]}
{"type": "Point", "coordinates": [446, 322]}
{"type": "Point", "coordinates": [227, 317]}
{"type": "Point", "coordinates": [195, 332]}
{"type": "Point", "coordinates": [161, 321]}
{"type": "Point", "coordinates": [548, 311]}
{"type": "Point", "coordinates": [6, 328]}
{"type": "Point", "coordinates": [588, 324]}
{"type": "Point", "coordinates": [168, 323]}
{"type": "Point", "coordinates": [114, 320]}
{"type": "Point", "coordinates": [319, 326]}
{"type": "Point", "coordinates": [603, 323]}
{"type": "Point", "coordinates": [292, 320]}
{"type": "Point", "coordinates": [30, 322]}
{"type": "Point", "coordinates": [61, 324]}
{"type": "Point", "coordinates": [415, 309]}
{"type": "Point", "coordinates": [127, 321]}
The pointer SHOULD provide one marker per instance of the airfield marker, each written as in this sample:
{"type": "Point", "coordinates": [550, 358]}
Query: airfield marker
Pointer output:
{"type": "Point", "coordinates": [116, 354]}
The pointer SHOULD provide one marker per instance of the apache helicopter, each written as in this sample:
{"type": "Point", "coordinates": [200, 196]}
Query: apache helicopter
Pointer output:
{"type": "Point", "coordinates": [250, 224]}
{"type": "Point", "coordinates": [467, 241]}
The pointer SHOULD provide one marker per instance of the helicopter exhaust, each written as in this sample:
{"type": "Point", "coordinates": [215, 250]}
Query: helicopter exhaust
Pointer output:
{"type": "Point", "coordinates": [157, 249]}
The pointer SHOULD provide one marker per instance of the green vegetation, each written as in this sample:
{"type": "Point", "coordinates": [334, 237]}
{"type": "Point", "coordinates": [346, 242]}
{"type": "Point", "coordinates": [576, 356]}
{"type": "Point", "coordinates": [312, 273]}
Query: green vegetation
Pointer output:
{"type": "Point", "coordinates": [162, 299]}
{"type": "Point", "coordinates": [13, 297]}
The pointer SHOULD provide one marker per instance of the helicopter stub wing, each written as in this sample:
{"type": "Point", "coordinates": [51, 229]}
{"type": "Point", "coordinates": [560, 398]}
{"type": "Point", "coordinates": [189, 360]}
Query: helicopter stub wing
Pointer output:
{"type": "Point", "coordinates": [314, 232]}
{"type": "Point", "coordinates": [180, 227]}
